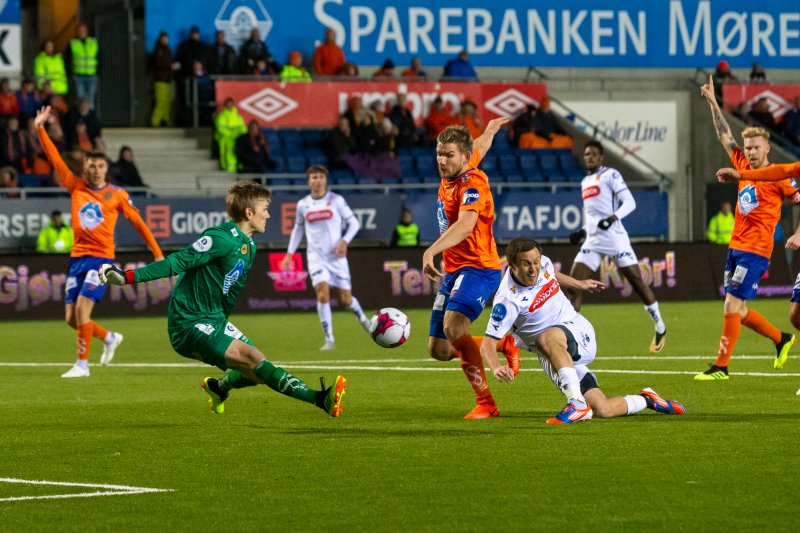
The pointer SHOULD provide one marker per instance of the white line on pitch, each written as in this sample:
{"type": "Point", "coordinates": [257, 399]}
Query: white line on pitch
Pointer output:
{"type": "Point", "coordinates": [113, 490]}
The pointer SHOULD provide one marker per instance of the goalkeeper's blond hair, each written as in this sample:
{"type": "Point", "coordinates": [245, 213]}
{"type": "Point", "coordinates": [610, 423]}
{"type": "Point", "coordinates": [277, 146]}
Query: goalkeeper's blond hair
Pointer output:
{"type": "Point", "coordinates": [753, 131]}
{"type": "Point", "coordinates": [244, 194]}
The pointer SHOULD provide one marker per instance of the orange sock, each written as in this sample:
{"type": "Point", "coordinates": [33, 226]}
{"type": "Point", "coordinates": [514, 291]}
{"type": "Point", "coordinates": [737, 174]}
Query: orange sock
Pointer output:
{"type": "Point", "coordinates": [756, 321]}
{"type": "Point", "coordinates": [84, 340]}
{"type": "Point", "coordinates": [730, 334]}
{"type": "Point", "coordinates": [98, 331]}
{"type": "Point", "coordinates": [507, 342]}
{"type": "Point", "coordinates": [472, 365]}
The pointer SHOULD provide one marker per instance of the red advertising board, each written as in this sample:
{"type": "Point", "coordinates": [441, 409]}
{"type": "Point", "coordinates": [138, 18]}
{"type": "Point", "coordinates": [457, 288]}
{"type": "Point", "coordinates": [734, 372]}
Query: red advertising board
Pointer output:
{"type": "Point", "coordinates": [319, 104]}
{"type": "Point", "coordinates": [779, 97]}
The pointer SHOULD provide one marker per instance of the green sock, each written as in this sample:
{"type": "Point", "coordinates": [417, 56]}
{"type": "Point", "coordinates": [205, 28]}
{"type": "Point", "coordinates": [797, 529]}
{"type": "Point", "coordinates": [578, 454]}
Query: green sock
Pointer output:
{"type": "Point", "coordinates": [234, 380]}
{"type": "Point", "coordinates": [281, 381]}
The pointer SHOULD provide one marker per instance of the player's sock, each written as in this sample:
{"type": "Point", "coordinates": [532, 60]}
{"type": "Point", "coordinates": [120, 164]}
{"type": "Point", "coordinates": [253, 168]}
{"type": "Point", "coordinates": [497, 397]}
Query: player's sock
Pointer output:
{"type": "Point", "coordinates": [281, 381]}
{"type": "Point", "coordinates": [84, 340]}
{"type": "Point", "coordinates": [101, 333]}
{"type": "Point", "coordinates": [83, 363]}
{"type": "Point", "coordinates": [326, 319]}
{"type": "Point", "coordinates": [234, 380]}
{"type": "Point", "coordinates": [636, 403]}
{"type": "Point", "coordinates": [570, 385]}
{"type": "Point", "coordinates": [472, 365]}
{"type": "Point", "coordinates": [727, 342]}
{"type": "Point", "coordinates": [355, 307]}
{"type": "Point", "coordinates": [756, 321]}
{"type": "Point", "coordinates": [655, 314]}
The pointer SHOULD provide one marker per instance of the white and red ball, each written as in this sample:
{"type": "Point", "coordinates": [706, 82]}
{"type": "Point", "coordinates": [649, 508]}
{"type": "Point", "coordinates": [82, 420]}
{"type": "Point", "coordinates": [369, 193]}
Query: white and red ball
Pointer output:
{"type": "Point", "coordinates": [389, 327]}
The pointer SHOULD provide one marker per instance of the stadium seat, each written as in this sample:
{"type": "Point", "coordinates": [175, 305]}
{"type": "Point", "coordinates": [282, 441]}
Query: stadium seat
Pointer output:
{"type": "Point", "coordinates": [280, 164]}
{"type": "Point", "coordinates": [508, 164]}
{"type": "Point", "coordinates": [426, 164]}
{"type": "Point", "coordinates": [489, 164]}
{"type": "Point", "coordinates": [296, 164]}
{"type": "Point", "coordinates": [549, 166]}
{"type": "Point", "coordinates": [317, 159]}
{"type": "Point", "coordinates": [341, 175]}
{"type": "Point", "coordinates": [569, 165]}
{"type": "Point", "coordinates": [406, 166]}
{"type": "Point", "coordinates": [529, 165]}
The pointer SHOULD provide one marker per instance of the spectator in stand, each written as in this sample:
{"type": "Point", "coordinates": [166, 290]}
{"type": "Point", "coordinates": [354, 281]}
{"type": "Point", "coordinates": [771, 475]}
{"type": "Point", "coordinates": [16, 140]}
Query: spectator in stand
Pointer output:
{"type": "Point", "coordinates": [791, 122]}
{"type": "Point", "coordinates": [9, 104]}
{"type": "Point", "coordinates": [386, 70]}
{"type": "Point", "coordinates": [522, 124]}
{"type": "Point", "coordinates": [403, 120]}
{"type": "Point", "coordinates": [263, 69]}
{"type": "Point", "coordinates": [329, 56]}
{"type": "Point", "coordinates": [81, 137]}
{"type": "Point", "coordinates": [56, 134]}
{"type": "Point", "coordinates": [123, 171]}
{"type": "Point", "coordinates": [469, 118]}
{"type": "Point", "coordinates": [56, 237]}
{"type": "Point", "coordinates": [82, 59]}
{"type": "Point", "coordinates": [37, 162]}
{"type": "Point", "coordinates": [252, 50]}
{"type": "Point", "coordinates": [29, 99]}
{"type": "Point", "coordinates": [15, 148]}
{"type": "Point", "coordinates": [252, 151]}
{"type": "Point", "coordinates": [349, 70]}
{"type": "Point", "coordinates": [547, 125]}
{"type": "Point", "coordinates": [205, 94]}
{"type": "Point", "coordinates": [190, 50]}
{"type": "Point", "coordinates": [362, 125]}
{"type": "Point", "coordinates": [84, 113]}
{"type": "Point", "coordinates": [8, 180]}
{"type": "Point", "coordinates": [757, 74]}
{"type": "Point", "coordinates": [415, 69]}
{"type": "Point", "coordinates": [228, 124]}
{"type": "Point", "coordinates": [221, 57]}
{"type": "Point", "coordinates": [741, 111]}
{"type": "Point", "coordinates": [163, 68]}
{"type": "Point", "coordinates": [49, 66]}
{"type": "Point", "coordinates": [761, 115]}
{"type": "Point", "coordinates": [722, 75]}
{"type": "Point", "coordinates": [406, 233]}
{"type": "Point", "coordinates": [439, 117]}
{"type": "Point", "coordinates": [385, 130]}
{"type": "Point", "coordinates": [460, 67]}
{"type": "Point", "coordinates": [294, 70]}
{"type": "Point", "coordinates": [341, 143]}
{"type": "Point", "coordinates": [720, 227]}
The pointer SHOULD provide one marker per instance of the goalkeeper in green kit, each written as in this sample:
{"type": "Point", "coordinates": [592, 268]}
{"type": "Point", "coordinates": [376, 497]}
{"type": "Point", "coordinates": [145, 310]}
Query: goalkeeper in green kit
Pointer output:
{"type": "Point", "coordinates": [211, 273]}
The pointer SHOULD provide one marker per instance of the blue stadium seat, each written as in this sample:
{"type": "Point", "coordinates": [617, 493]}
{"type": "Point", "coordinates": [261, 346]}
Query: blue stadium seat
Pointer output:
{"type": "Point", "coordinates": [341, 175]}
{"type": "Point", "coordinates": [508, 164]}
{"type": "Point", "coordinates": [296, 164]}
{"type": "Point", "coordinates": [272, 137]}
{"type": "Point", "coordinates": [406, 165]}
{"type": "Point", "coordinates": [529, 165]}
{"type": "Point", "coordinates": [549, 166]}
{"type": "Point", "coordinates": [280, 164]}
{"type": "Point", "coordinates": [290, 136]}
{"type": "Point", "coordinates": [489, 164]}
{"type": "Point", "coordinates": [292, 148]}
{"type": "Point", "coordinates": [317, 159]}
{"type": "Point", "coordinates": [417, 151]}
{"type": "Point", "coordinates": [32, 180]}
{"type": "Point", "coordinates": [569, 165]}
{"type": "Point", "coordinates": [426, 164]}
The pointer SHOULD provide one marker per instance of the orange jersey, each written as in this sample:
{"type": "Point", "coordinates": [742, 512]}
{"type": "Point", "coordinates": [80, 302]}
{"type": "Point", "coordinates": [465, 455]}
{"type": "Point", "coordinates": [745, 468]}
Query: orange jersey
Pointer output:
{"type": "Point", "coordinates": [772, 172]}
{"type": "Point", "coordinates": [758, 209]}
{"type": "Point", "coordinates": [469, 192]}
{"type": "Point", "coordinates": [95, 211]}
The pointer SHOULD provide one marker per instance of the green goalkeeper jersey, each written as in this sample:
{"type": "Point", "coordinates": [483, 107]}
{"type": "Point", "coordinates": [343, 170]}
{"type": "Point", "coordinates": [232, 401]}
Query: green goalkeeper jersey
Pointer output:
{"type": "Point", "coordinates": [211, 273]}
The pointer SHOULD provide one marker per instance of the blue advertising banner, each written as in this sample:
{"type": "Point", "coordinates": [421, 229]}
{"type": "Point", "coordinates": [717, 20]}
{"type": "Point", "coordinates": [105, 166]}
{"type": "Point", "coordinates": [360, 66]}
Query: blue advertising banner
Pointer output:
{"type": "Point", "coordinates": [567, 33]}
{"type": "Point", "coordinates": [9, 12]}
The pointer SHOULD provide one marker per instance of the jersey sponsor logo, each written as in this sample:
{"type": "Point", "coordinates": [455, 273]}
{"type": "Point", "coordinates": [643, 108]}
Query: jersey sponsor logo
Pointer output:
{"type": "Point", "coordinates": [470, 196]}
{"type": "Point", "coordinates": [92, 278]}
{"type": "Point", "coordinates": [232, 331]}
{"type": "Point", "coordinates": [72, 282]}
{"type": "Point", "coordinates": [316, 216]}
{"type": "Point", "coordinates": [545, 294]}
{"type": "Point", "coordinates": [441, 217]}
{"type": "Point", "coordinates": [234, 232]}
{"type": "Point", "coordinates": [244, 249]}
{"type": "Point", "coordinates": [748, 199]}
{"type": "Point", "coordinates": [793, 183]}
{"type": "Point", "coordinates": [499, 312]}
{"type": "Point", "coordinates": [590, 192]}
{"type": "Point", "coordinates": [208, 329]}
{"type": "Point", "coordinates": [203, 244]}
{"type": "Point", "coordinates": [90, 216]}
{"type": "Point", "coordinates": [233, 276]}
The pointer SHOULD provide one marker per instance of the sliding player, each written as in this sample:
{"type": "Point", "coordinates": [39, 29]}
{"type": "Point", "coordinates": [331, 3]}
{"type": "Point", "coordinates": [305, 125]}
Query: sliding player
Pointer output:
{"type": "Point", "coordinates": [96, 205]}
{"type": "Point", "coordinates": [531, 304]}
{"type": "Point", "coordinates": [211, 273]}
{"type": "Point", "coordinates": [758, 211]}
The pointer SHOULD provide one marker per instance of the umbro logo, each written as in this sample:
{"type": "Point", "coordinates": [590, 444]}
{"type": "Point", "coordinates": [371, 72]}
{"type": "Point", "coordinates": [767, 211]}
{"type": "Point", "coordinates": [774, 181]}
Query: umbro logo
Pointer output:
{"type": "Point", "coordinates": [509, 103]}
{"type": "Point", "coordinates": [776, 104]}
{"type": "Point", "coordinates": [268, 104]}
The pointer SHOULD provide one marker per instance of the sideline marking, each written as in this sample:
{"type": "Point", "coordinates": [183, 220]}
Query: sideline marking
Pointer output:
{"type": "Point", "coordinates": [113, 490]}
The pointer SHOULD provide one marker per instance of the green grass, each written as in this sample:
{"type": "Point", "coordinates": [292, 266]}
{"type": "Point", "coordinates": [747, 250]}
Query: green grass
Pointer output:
{"type": "Point", "coordinates": [400, 457]}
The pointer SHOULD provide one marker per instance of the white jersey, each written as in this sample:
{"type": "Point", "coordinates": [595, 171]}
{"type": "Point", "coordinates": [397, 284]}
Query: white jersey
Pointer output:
{"type": "Point", "coordinates": [323, 220]}
{"type": "Point", "coordinates": [528, 311]}
{"type": "Point", "coordinates": [601, 199]}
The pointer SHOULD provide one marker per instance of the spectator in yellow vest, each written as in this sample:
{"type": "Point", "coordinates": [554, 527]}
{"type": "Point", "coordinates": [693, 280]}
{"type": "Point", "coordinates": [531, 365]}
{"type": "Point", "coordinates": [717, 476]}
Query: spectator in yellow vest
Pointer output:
{"type": "Point", "coordinates": [82, 60]}
{"type": "Point", "coordinates": [228, 125]}
{"type": "Point", "coordinates": [294, 70]}
{"type": "Point", "coordinates": [49, 66]}
{"type": "Point", "coordinates": [721, 225]}
{"type": "Point", "coordinates": [56, 237]}
{"type": "Point", "coordinates": [406, 233]}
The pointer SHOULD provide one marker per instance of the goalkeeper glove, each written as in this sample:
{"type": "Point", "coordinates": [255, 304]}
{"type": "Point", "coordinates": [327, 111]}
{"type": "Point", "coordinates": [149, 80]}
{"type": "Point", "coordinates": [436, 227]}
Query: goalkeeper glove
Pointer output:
{"type": "Point", "coordinates": [606, 223]}
{"type": "Point", "coordinates": [113, 275]}
{"type": "Point", "coordinates": [577, 237]}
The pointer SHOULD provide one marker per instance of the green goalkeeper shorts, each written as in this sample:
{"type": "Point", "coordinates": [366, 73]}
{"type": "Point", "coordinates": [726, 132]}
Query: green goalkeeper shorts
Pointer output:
{"type": "Point", "coordinates": [206, 341]}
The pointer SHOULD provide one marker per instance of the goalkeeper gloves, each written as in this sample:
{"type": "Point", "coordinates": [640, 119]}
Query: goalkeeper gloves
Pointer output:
{"type": "Point", "coordinates": [577, 237]}
{"type": "Point", "coordinates": [606, 222]}
{"type": "Point", "coordinates": [111, 274]}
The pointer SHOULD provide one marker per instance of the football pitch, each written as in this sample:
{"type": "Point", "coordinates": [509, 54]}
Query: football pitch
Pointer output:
{"type": "Point", "coordinates": [135, 448]}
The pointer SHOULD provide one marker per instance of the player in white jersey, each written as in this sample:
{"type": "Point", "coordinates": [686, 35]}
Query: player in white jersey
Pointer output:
{"type": "Point", "coordinates": [606, 200]}
{"type": "Point", "coordinates": [321, 217]}
{"type": "Point", "coordinates": [531, 305]}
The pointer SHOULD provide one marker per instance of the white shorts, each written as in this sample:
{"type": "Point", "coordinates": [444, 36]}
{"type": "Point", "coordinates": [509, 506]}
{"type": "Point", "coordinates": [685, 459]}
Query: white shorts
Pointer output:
{"type": "Point", "coordinates": [619, 249]}
{"type": "Point", "coordinates": [335, 273]}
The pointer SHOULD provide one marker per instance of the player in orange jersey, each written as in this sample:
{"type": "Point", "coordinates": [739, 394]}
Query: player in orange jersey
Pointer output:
{"type": "Point", "coordinates": [95, 208]}
{"type": "Point", "coordinates": [758, 210]}
{"type": "Point", "coordinates": [472, 267]}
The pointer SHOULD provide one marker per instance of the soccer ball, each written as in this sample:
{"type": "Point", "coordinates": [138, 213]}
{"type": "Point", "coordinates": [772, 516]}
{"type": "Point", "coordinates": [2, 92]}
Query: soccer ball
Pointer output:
{"type": "Point", "coordinates": [389, 327]}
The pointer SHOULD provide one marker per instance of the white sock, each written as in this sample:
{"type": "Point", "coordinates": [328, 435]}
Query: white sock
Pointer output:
{"type": "Point", "coordinates": [326, 319]}
{"type": "Point", "coordinates": [355, 307]}
{"type": "Point", "coordinates": [110, 337]}
{"type": "Point", "coordinates": [571, 386]}
{"type": "Point", "coordinates": [83, 363]}
{"type": "Point", "coordinates": [655, 314]}
{"type": "Point", "coordinates": [635, 403]}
